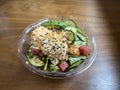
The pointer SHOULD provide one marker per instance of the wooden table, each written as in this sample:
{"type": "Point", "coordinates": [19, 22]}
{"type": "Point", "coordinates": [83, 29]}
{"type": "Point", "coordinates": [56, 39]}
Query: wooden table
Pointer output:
{"type": "Point", "coordinates": [101, 16]}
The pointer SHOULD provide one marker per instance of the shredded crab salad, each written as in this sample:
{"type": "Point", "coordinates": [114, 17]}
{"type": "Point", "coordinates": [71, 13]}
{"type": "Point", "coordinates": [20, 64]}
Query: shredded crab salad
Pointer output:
{"type": "Point", "coordinates": [50, 43]}
{"type": "Point", "coordinates": [57, 46]}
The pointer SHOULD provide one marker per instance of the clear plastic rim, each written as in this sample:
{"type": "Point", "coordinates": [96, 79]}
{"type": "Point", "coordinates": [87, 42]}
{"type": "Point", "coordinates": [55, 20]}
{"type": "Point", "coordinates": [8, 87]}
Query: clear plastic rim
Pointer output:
{"type": "Point", "coordinates": [55, 75]}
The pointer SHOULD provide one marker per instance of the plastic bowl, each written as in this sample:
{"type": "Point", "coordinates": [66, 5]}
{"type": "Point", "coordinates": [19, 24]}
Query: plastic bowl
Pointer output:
{"type": "Point", "coordinates": [24, 43]}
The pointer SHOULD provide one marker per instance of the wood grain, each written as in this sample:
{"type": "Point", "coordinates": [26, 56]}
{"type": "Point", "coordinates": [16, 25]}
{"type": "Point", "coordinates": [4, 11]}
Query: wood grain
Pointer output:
{"type": "Point", "coordinates": [102, 17]}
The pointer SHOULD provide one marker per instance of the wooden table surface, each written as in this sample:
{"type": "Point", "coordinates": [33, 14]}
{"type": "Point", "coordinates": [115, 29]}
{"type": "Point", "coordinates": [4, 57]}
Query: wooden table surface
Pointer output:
{"type": "Point", "coordinates": [101, 16]}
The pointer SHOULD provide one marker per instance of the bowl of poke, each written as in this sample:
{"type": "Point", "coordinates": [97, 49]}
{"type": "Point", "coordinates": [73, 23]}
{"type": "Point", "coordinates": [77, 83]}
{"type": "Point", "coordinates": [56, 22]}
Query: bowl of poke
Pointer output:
{"type": "Point", "coordinates": [57, 47]}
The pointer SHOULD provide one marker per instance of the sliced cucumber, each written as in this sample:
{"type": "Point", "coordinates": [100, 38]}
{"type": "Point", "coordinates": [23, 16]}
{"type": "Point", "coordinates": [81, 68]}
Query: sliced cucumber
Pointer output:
{"type": "Point", "coordinates": [77, 32]}
{"type": "Point", "coordinates": [50, 23]}
{"type": "Point", "coordinates": [54, 23]}
{"type": "Point", "coordinates": [29, 55]}
{"type": "Point", "coordinates": [73, 29]}
{"type": "Point", "coordinates": [83, 57]}
{"type": "Point", "coordinates": [46, 65]}
{"type": "Point", "coordinates": [81, 37]}
{"type": "Point", "coordinates": [53, 68]}
{"type": "Point", "coordinates": [35, 61]}
{"type": "Point", "coordinates": [74, 59]}
{"type": "Point", "coordinates": [77, 63]}
{"type": "Point", "coordinates": [54, 61]}
{"type": "Point", "coordinates": [80, 43]}
{"type": "Point", "coordinates": [71, 36]}
{"type": "Point", "coordinates": [44, 59]}
{"type": "Point", "coordinates": [76, 38]}
{"type": "Point", "coordinates": [71, 23]}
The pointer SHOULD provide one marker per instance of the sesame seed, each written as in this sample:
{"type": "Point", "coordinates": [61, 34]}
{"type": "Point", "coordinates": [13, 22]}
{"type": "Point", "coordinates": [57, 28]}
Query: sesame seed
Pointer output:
{"type": "Point", "coordinates": [63, 41]}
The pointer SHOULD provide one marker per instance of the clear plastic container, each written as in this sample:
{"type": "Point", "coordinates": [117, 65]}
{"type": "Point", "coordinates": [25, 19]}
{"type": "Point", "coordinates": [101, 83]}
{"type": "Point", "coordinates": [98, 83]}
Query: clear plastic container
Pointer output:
{"type": "Point", "coordinates": [25, 40]}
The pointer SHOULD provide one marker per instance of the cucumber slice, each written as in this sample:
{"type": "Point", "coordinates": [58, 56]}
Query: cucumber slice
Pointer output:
{"type": "Point", "coordinates": [54, 61]}
{"type": "Point", "coordinates": [46, 65]}
{"type": "Point", "coordinates": [50, 23]}
{"type": "Point", "coordinates": [71, 23]}
{"type": "Point", "coordinates": [77, 32]}
{"type": "Point", "coordinates": [80, 43]}
{"type": "Point", "coordinates": [76, 38]}
{"type": "Point", "coordinates": [54, 23]}
{"type": "Point", "coordinates": [73, 29]}
{"type": "Point", "coordinates": [44, 59]}
{"type": "Point", "coordinates": [83, 57]}
{"type": "Point", "coordinates": [77, 63]}
{"type": "Point", "coordinates": [71, 36]}
{"type": "Point", "coordinates": [81, 37]}
{"type": "Point", "coordinates": [53, 68]}
{"type": "Point", "coordinates": [35, 61]}
{"type": "Point", "coordinates": [74, 59]}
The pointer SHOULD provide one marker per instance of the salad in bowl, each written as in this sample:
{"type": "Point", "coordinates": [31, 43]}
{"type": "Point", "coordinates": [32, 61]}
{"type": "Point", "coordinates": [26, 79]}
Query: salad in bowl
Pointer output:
{"type": "Point", "coordinates": [56, 48]}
